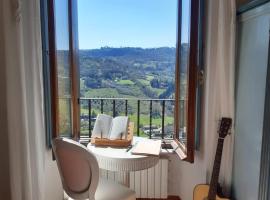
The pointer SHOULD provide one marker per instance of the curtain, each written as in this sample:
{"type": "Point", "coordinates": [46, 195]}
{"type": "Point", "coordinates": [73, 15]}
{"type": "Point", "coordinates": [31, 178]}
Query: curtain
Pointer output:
{"type": "Point", "coordinates": [219, 91]}
{"type": "Point", "coordinates": [23, 65]}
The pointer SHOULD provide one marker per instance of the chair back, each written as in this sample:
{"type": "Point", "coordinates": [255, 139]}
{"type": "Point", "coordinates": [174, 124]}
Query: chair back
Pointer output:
{"type": "Point", "coordinates": [78, 168]}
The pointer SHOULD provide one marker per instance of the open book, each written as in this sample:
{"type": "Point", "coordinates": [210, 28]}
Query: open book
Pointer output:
{"type": "Point", "coordinates": [147, 147]}
{"type": "Point", "coordinates": [110, 128]}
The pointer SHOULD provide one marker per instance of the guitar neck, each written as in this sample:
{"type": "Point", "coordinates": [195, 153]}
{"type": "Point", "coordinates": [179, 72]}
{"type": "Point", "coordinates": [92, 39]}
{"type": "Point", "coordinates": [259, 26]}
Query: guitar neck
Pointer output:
{"type": "Point", "coordinates": [216, 169]}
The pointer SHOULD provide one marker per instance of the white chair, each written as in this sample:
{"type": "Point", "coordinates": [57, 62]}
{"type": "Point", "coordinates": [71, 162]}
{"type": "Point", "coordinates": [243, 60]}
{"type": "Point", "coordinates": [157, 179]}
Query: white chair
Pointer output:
{"type": "Point", "coordinates": [79, 172]}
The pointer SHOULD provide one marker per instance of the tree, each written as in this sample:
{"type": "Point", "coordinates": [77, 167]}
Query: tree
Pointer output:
{"type": "Point", "coordinates": [155, 83]}
{"type": "Point", "coordinates": [93, 114]}
{"type": "Point", "coordinates": [92, 83]}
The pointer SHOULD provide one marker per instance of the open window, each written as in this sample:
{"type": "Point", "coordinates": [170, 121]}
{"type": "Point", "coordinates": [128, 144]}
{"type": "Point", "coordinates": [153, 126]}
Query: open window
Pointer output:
{"type": "Point", "coordinates": [72, 114]}
{"type": "Point", "coordinates": [187, 74]}
{"type": "Point", "coordinates": [63, 67]}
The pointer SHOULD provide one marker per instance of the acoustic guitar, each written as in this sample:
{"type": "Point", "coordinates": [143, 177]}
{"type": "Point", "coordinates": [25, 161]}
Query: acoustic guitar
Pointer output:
{"type": "Point", "coordinates": [209, 192]}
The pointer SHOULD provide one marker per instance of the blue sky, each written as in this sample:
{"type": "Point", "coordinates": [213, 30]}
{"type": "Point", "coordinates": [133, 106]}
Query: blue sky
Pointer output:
{"type": "Point", "coordinates": [124, 23]}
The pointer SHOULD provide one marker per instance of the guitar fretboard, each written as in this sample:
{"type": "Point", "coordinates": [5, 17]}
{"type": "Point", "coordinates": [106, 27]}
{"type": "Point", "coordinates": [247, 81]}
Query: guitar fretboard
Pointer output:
{"type": "Point", "coordinates": [216, 169]}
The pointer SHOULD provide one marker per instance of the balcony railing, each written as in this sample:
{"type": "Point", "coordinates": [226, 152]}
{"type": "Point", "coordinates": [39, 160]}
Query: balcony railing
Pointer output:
{"type": "Point", "coordinates": [153, 118]}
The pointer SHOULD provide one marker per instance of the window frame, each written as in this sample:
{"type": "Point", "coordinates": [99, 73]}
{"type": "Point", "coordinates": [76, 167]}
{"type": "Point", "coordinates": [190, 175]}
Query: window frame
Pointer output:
{"type": "Point", "coordinates": [193, 69]}
{"type": "Point", "coordinates": [53, 69]}
{"type": "Point", "coordinates": [74, 69]}
{"type": "Point", "coordinates": [46, 71]}
{"type": "Point", "coordinates": [187, 151]}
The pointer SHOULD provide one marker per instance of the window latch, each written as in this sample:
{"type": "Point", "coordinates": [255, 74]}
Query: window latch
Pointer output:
{"type": "Point", "coordinates": [201, 77]}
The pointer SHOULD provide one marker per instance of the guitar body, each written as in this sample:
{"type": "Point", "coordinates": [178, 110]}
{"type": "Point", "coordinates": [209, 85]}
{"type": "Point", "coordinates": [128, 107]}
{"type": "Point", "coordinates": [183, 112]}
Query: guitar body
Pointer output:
{"type": "Point", "coordinates": [201, 192]}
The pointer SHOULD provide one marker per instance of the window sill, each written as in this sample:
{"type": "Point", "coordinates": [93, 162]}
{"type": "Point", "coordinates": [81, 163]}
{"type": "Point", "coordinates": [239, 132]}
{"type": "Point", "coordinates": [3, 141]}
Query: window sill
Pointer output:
{"type": "Point", "coordinates": [166, 150]}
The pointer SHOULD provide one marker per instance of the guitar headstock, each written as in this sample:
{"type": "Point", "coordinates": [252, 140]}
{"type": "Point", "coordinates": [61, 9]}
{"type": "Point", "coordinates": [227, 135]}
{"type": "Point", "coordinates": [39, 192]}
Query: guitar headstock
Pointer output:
{"type": "Point", "coordinates": [225, 125]}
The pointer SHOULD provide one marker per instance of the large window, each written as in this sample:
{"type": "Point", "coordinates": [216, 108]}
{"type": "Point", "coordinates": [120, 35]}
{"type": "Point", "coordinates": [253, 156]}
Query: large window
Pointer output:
{"type": "Point", "coordinates": [127, 54]}
{"type": "Point", "coordinates": [136, 58]}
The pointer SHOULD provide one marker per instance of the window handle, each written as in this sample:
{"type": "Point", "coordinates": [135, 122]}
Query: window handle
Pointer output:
{"type": "Point", "coordinates": [201, 77]}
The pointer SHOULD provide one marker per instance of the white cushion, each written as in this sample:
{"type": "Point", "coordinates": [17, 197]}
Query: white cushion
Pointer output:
{"type": "Point", "coordinates": [110, 190]}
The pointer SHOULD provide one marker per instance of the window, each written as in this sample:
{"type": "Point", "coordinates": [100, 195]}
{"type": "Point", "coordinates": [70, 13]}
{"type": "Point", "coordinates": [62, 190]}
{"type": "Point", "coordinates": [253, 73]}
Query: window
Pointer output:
{"type": "Point", "coordinates": [127, 63]}
{"type": "Point", "coordinates": [63, 68]}
{"type": "Point", "coordinates": [186, 76]}
{"type": "Point", "coordinates": [72, 112]}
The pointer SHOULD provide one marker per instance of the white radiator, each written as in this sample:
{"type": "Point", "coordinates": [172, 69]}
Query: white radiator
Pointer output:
{"type": "Point", "coordinates": [149, 183]}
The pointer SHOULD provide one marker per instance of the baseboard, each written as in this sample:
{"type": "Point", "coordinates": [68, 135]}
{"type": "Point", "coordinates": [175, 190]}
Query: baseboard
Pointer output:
{"type": "Point", "coordinates": [169, 198]}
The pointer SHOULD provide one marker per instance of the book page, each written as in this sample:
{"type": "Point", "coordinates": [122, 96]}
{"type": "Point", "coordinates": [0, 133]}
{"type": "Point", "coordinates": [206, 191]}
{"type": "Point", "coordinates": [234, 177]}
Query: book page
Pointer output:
{"type": "Point", "coordinates": [102, 126]}
{"type": "Point", "coordinates": [147, 147]}
{"type": "Point", "coordinates": [119, 128]}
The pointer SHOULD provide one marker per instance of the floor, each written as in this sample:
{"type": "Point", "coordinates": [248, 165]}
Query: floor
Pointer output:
{"type": "Point", "coordinates": [169, 198]}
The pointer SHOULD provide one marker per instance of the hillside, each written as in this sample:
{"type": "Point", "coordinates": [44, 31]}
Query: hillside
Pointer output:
{"type": "Point", "coordinates": [127, 72]}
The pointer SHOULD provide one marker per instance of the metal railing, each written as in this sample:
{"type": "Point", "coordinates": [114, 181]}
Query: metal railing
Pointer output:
{"type": "Point", "coordinates": [155, 109]}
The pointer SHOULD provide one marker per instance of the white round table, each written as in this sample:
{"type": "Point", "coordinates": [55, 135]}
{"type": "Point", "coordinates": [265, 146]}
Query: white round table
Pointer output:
{"type": "Point", "coordinates": [118, 159]}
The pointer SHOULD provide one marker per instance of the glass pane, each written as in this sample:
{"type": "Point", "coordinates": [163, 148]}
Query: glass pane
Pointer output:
{"type": "Point", "coordinates": [127, 50]}
{"type": "Point", "coordinates": [184, 63]}
{"type": "Point", "coordinates": [64, 116]}
{"type": "Point", "coordinates": [63, 66]}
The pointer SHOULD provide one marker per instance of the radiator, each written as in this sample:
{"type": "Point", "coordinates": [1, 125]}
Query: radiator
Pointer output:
{"type": "Point", "coordinates": [149, 183]}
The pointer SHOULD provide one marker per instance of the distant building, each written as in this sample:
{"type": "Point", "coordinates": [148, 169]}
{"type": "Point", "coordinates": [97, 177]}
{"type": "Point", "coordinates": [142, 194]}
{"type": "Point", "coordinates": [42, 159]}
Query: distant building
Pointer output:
{"type": "Point", "coordinates": [155, 130]}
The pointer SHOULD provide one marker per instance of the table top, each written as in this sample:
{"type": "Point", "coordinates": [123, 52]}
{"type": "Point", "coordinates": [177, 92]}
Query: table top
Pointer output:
{"type": "Point", "coordinates": [118, 159]}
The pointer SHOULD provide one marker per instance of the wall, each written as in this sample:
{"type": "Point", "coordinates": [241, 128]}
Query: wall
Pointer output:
{"type": "Point", "coordinates": [253, 38]}
{"type": "Point", "coordinates": [4, 149]}
{"type": "Point", "coordinates": [53, 185]}
{"type": "Point", "coordinates": [184, 176]}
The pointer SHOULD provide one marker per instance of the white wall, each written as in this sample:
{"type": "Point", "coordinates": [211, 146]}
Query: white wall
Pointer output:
{"type": "Point", "coordinates": [184, 176]}
{"type": "Point", "coordinates": [53, 185]}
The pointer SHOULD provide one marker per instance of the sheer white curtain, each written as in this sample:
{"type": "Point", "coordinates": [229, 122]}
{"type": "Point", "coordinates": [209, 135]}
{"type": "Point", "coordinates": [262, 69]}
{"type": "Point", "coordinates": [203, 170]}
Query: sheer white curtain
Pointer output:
{"type": "Point", "coordinates": [220, 83]}
{"type": "Point", "coordinates": [23, 64]}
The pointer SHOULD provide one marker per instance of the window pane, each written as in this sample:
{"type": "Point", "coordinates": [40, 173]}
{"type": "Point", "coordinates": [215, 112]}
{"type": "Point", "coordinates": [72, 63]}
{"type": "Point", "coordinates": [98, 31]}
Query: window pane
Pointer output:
{"type": "Point", "coordinates": [127, 50]}
{"type": "Point", "coordinates": [184, 63]}
{"type": "Point", "coordinates": [63, 66]}
{"type": "Point", "coordinates": [64, 116]}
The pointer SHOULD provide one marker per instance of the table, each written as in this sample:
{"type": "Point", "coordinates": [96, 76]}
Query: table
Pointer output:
{"type": "Point", "coordinates": [118, 159]}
